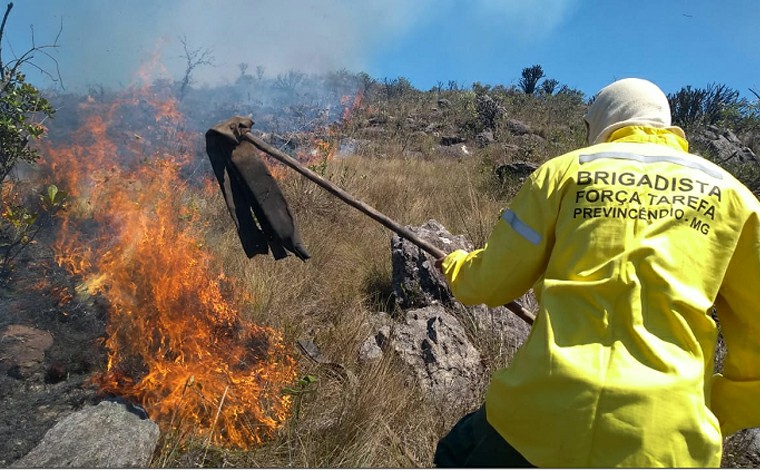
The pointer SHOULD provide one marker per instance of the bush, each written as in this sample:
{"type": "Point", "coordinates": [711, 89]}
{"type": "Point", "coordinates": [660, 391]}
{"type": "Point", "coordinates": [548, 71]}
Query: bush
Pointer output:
{"type": "Point", "coordinates": [530, 78]}
{"type": "Point", "coordinates": [712, 105]}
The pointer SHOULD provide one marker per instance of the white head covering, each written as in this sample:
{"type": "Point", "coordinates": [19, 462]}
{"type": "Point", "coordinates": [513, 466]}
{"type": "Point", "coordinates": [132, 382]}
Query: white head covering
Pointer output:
{"type": "Point", "coordinates": [628, 102]}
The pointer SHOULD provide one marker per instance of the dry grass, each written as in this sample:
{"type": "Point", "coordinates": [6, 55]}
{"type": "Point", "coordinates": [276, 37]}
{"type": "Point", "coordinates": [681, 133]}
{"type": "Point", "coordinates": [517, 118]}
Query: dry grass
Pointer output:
{"type": "Point", "coordinates": [381, 420]}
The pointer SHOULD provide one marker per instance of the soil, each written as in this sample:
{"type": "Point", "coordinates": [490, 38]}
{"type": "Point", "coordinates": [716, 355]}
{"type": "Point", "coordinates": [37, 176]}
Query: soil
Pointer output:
{"type": "Point", "coordinates": [51, 343]}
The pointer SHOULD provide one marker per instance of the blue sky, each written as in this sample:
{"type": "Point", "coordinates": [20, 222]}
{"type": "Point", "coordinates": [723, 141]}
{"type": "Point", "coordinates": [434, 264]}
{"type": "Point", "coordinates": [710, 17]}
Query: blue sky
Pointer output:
{"type": "Point", "coordinates": [584, 44]}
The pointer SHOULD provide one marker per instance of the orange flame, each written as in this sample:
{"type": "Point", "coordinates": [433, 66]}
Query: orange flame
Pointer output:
{"type": "Point", "coordinates": [176, 342]}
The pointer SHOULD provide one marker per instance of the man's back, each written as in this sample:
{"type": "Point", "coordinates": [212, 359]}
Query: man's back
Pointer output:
{"type": "Point", "coordinates": [628, 244]}
{"type": "Point", "coordinates": [624, 341]}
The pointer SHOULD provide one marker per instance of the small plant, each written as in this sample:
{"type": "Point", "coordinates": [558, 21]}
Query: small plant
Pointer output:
{"type": "Point", "coordinates": [20, 224]}
{"type": "Point", "coordinates": [304, 386]}
{"type": "Point", "coordinates": [489, 111]}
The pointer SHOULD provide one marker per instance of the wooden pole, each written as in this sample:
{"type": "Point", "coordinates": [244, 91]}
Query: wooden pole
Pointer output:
{"type": "Point", "coordinates": [386, 221]}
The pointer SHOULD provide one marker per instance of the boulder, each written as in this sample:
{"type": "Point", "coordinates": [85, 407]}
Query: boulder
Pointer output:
{"type": "Point", "coordinates": [519, 170]}
{"type": "Point", "coordinates": [107, 435]}
{"type": "Point", "coordinates": [433, 343]}
{"type": "Point", "coordinates": [485, 138]}
{"type": "Point", "coordinates": [448, 140]}
{"type": "Point", "coordinates": [516, 127]}
{"type": "Point", "coordinates": [722, 146]}
{"type": "Point", "coordinates": [452, 151]}
{"type": "Point", "coordinates": [742, 449]}
{"type": "Point", "coordinates": [372, 349]}
{"type": "Point", "coordinates": [416, 282]}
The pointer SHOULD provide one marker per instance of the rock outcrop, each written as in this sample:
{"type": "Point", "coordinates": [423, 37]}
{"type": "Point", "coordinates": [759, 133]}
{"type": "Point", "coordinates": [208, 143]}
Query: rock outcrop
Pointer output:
{"type": "Point", "coordinates": [434, 333]}
{"type": "Point", "coordinates": [104, 436]}
{"type": "Point", "coordinates": [721, 146]}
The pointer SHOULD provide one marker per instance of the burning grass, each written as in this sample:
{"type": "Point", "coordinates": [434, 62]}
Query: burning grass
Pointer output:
{"type": "Point", "coordinates": [177, 344]}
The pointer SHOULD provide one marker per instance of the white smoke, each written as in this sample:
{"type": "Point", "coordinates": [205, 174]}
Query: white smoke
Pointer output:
{"type": "Point", "coordinates": [106, 42]}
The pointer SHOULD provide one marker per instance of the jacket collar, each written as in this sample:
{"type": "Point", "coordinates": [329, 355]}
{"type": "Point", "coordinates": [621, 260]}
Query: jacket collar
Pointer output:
{"type": "Point", "coordinates": [645, 134]}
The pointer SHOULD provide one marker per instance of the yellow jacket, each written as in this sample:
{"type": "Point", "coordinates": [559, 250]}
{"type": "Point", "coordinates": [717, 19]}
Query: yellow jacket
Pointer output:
{"type": "Point", "coordinates": [628, 245]}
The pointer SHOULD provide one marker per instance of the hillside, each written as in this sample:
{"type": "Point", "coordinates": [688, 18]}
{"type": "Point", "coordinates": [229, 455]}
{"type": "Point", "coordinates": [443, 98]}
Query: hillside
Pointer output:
{"type": "Point", "coordinates": [141, 284]}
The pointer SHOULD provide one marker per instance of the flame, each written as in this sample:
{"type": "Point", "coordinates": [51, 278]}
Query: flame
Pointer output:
{"type": "Point", "coordinates": [351, 105]}
{"type": "Point", "coordinates": [176, 342]}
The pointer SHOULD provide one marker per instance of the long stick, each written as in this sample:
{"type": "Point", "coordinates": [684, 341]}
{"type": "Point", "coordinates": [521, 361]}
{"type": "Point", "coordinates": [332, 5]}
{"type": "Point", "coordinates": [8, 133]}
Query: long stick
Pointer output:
{"type": "Point", "coordinates": [386, 221]}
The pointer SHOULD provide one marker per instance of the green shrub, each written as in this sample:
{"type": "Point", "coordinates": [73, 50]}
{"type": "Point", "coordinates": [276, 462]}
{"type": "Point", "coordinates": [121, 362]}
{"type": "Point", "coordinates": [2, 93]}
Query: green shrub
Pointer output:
{"type": "Point", "coordinates": [712, 105]}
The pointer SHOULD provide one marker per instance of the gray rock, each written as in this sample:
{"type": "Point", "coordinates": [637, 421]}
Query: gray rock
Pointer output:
{"type": "Point", "coordinates": [371, 349]}
{"type": "Point", "coordinates": [416, 282]}
{"type": "Point", "coordinates": [519, 170]}
{"type": "Point", "coordinates": [516, 127]}
{"type": "Point", "coordinates": [434, 345]}
{"type": "Point", "coordinates": [379, 119]}
{"type": "Point", "coordinates": [102, 436]}
{"type": "Point", "coordinates": [753, 436]}
{"type": "Point", "coordinates": [448, 140]}
{"type": "Point", "coordinates": [485, 138]}
{"type": "Point", "coordinates": [742, 449]}
{"type": "Point", "coordinates": [722, 146]}
{"type": "Point", "coordinates": [459, 151]}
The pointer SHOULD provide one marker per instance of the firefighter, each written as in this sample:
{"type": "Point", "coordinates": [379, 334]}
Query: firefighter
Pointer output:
{"type": "Point", "coordinates": [631, 245]}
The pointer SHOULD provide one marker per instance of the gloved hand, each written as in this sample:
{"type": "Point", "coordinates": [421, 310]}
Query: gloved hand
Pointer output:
{"type": "Point", "coordinates": [439, 263]}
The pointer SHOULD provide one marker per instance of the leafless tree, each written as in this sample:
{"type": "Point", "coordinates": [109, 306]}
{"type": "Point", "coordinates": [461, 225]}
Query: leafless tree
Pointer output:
{"type": "Point", "coordinates": [288, 83]}
{"type": "Point", "coordinates": [10, 69]}
{"type": "Point", "coordinates": [194, 58]}
{"type": "Point", "coordinates": [22, 106]}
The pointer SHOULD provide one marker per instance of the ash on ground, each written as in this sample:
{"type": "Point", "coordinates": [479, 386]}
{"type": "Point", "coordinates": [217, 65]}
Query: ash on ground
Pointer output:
{"type": "Point", "coordinates": [51, 342]}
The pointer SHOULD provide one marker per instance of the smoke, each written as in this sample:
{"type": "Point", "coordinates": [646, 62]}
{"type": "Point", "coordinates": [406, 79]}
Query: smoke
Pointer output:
{"type": "Point", "coordinates": [106, 42]}
{"type": "Point", "coordinates": [532, 20]}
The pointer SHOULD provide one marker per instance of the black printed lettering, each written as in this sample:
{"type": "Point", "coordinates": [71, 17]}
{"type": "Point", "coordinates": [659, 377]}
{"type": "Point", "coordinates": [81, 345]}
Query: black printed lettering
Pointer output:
{"type": "Point", "coordinates": [645, 181]}
{"type": "Point", "coordinates": [685, 185]}
{"type": "Point", "coordinates": [715, 191]}
{"type": "Point", "coordinates": [699, 226]}
{"type": "Point", "coordinates": [626, 179]}
{"type": "Point", "coordinates": [601, 177]}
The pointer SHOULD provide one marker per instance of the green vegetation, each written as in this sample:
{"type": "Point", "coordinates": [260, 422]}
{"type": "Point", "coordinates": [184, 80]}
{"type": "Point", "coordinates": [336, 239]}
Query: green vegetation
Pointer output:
{"type": "Point", "coordinates": [713, 105]}
{"type": "Point", "coordinates": [23, 111]}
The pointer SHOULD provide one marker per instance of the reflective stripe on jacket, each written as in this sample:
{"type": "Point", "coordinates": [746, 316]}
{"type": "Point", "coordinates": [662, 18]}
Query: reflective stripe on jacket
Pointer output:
{"type": "Point", "coordinates": [628, 245]}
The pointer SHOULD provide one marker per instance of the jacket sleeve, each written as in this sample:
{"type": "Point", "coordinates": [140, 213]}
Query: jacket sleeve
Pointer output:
{"type": "Point", "coordinates": [735, 392]}
{"type": "Point", "coordinates": [517, 251]}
